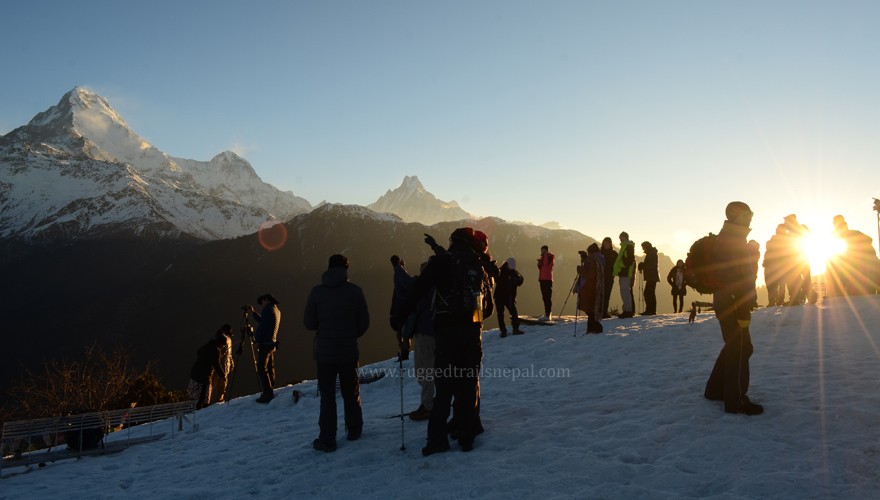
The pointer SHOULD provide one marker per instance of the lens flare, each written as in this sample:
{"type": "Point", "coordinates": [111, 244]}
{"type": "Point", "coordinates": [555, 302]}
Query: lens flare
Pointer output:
{"type": "Point", "coordinates": [272, 235]}
{"type": "Point", "coordinates": [820, 248]}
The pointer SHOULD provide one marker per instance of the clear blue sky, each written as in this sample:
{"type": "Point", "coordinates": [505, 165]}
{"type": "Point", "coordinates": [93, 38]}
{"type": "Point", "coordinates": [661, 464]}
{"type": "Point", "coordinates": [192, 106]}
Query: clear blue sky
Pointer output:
{"type": "Point", "coordinates": [643, 116]}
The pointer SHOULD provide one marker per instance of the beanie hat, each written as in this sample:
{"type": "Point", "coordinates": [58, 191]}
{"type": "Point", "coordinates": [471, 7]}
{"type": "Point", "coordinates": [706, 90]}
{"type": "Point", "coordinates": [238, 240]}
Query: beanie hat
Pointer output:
{"type": "Point", "coordinates": [337, 260]}
{"type": "Point", "coordinates": [511, 262]}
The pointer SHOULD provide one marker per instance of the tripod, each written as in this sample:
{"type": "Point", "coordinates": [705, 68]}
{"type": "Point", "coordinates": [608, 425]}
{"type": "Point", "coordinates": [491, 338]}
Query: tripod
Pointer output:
{"type": "Point", "coordinates": [247, 332]}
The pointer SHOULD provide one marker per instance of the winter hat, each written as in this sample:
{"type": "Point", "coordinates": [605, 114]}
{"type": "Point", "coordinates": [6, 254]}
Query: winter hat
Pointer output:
{"type": "Point", "coordinates": [464, 235]}
{"type": "Point", "coordinates": [511, 262]}
{"type": "Point", "coordinates": [337, 260]}
{"type": "Point", "coordinates": [482, 241]}
{"type": "Point", "coordinates": [593, 248]}
{"type": "Point", "coordinates": [267, 296]}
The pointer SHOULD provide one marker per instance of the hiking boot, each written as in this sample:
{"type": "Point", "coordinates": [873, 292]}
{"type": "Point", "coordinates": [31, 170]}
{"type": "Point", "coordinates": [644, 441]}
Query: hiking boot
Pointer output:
{"type": "Point", "coordinates": [420, 414]}
{"type": "Point", "coordinates": [353, 435]}
{"type": "Point", "coordinates": [625, 314]}
{"type": "Point", "coordinates": [606, 316]}
{"type": "Point", "coordinates": [502, 334]}
{"type": "Point", "coordinates": [433, 448]}
{"type": "Point", "coordinates": [518, 332]}
{"type": "Point", "coordinates": [747, 408]}
{"type": "Point", "coordinates": [322, 446]}
{"type": "Point", "coordinates": [264, 399]}
{"type": "Point", "coordinates": [545, 317]}
{"type": "Point", "coordinates": [466, 445]}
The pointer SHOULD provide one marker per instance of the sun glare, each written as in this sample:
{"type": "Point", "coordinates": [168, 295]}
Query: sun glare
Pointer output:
{"type": "Point", "coordinates": [820, 248]}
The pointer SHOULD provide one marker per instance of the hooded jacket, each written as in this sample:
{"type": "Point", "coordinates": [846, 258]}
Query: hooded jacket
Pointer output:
{"type": "Point", "coordinates": [337, 311]}
{"type": "Point", "coordinates": [652, 265]}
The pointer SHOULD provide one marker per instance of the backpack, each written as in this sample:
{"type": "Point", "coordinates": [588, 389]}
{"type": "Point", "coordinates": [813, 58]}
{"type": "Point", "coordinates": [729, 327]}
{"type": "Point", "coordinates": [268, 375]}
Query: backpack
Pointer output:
{"type": "Point", "coordinates": [699, 270]}
{"type": "Point", "coordinates": [467, 295]}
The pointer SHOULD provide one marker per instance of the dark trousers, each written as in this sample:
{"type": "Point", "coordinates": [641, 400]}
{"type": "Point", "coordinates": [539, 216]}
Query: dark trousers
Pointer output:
{"type": "Point", "coordinates": [349, 386]}
{"type": "Point", "coordinates": [678, 303]}
{"type": "Point", "coordinates": [547, 296]}
{"type": "Point", "coordinates": [266, 368]}
{"type": "Point", "coordinates": [459, 353]}
{"type": "Point", "coordinates": [651, 297]}
{"type": "Point", "coordinates": [609, 285]}
{"type": "Point", "coordinates": [509, 303]}
{"type": "Point", "coordinates": [729, 380]}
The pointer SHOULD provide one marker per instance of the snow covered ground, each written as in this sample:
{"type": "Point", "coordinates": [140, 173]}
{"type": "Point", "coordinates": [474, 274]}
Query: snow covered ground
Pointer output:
{"type": "Point", "coordinates": [618, 415]}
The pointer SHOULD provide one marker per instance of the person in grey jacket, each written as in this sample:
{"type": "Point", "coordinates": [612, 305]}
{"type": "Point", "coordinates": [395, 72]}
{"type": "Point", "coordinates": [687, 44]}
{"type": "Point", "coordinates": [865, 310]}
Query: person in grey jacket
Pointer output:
{"type": "Point", "coordinates": [337, 311]}
{"type": "Point", "coordinates": [266, 336]}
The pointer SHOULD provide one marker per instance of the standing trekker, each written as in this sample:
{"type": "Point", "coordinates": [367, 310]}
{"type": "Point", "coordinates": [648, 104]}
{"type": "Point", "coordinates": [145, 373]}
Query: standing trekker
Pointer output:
{"type": "Point", "coordinates": [798, 278]}
{"type": "Point", "coordinates": [509, 279]}
{"type": "Point", "coordinates": [210, 363]}
{"type": "Point", "coordinates": [591, 286]}
{"type": "Point", "coordinates": [651, 268]}
{"type": "Point", "coordinates": [337, 311]}
{"type": "Point", "coordinates": [402, 284]}
{"type": "Point", "coordinates": [266, 337]}
{"type": "Point", "coordinates": [624, 269]}
{"type": "Point", "coordinates": [774, 267]}
{"type": "Point", "coordinates": [220, 379]}
{"type": "Point", "coordinates": [545, 278]}
{"type": "Point", "coordinates": [457, 278]}
{"type": "Point", "coordinates": [418, 326]}
{"type": "Point", "coordinates": [734, 266]}
{"type": "Point", "coordinates": [675, 278]}
{"type": "Point", "coordinates": [610, 257]}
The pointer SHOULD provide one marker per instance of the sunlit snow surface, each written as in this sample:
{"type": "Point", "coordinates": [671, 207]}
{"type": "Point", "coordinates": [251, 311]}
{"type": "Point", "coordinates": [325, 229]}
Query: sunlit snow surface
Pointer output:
{"type": "Point", "coordinates": [618, 415]}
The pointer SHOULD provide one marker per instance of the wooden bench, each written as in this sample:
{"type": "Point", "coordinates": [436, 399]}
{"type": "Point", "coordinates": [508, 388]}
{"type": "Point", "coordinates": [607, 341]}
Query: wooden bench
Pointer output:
{"type": "Point", "coordinates": [21, 440]}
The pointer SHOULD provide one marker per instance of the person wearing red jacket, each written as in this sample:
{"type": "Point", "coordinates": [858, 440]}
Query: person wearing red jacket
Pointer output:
{"type": "Point", "coordinates": [545, 278]}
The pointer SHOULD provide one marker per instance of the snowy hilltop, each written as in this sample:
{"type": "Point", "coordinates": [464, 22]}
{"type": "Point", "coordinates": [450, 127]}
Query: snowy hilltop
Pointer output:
{"type": "Point", "coordinates": [77, 170]}
{"type": "Point", "coordinates": [413, 203]}
{"type": "Point", "coordinates": [616, 415]}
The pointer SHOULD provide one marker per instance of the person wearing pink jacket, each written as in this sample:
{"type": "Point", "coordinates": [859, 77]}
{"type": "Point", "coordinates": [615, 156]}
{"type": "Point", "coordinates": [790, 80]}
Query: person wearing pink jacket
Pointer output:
{"type": "Point", "coordinates": [545, 278]}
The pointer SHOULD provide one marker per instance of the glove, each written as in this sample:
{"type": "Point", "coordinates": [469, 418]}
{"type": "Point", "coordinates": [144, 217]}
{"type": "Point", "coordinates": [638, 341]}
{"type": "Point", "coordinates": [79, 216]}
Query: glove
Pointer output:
{"type": "Point", "coordinates": [395, 260]}
{"type": "Point", "coordinates": [430, 240]}
{"type": "Point", "coordinates": [743, 323]}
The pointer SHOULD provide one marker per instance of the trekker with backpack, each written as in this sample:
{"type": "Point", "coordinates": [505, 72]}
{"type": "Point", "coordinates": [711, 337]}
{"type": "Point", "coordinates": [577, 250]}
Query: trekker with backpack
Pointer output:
{"type": "Point", "coordinates": [625, 270]}
{"type": "Point", "coordinates": [266, 337]}
{"type": "Point", "coordinates": [733, 266]}
{"type": "Point", "coordinates": [509, 279]}
{"type": "Point", "coordinates": [458, 279]}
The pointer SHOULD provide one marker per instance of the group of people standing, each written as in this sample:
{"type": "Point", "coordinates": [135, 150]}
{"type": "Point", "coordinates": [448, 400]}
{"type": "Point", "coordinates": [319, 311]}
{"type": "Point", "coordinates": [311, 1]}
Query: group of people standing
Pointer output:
{"type": "Point", "coordinates": [448, 342]}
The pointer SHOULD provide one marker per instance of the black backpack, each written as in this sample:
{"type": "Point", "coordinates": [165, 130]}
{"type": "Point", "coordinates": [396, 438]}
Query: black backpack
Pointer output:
{"type": "Point", "coordinates": [700, 272]}
{"type": "Point", "coordinates": [466, 295]}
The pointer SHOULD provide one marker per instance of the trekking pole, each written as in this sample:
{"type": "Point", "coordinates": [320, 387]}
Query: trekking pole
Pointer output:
{"type": "Point", "coordinates": [402, 439]}
{"type": "Point", "coordinates": [245, 327]}
{"type": "Point", "coordinates": [570, 293]}
{"type": "Point", "coordinates": [575, 322]}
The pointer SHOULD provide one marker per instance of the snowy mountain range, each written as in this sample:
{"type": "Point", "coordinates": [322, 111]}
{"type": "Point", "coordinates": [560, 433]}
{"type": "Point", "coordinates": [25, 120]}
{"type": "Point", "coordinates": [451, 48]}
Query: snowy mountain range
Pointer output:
{"type": "Point", "coordinates": [413, 203]}
{"type": "Point", "coordinates": [77, 170]}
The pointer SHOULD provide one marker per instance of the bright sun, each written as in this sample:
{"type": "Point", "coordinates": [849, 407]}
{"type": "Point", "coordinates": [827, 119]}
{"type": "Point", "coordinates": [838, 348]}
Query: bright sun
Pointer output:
{"type": "Point", "coordinates": [820, 248]}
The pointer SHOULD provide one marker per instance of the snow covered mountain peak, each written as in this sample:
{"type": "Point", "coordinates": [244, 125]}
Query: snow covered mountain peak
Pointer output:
{"type": "Point", "coordinates": [413, 203]}
{"type": "Point", "coordinates": [80, 171]}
